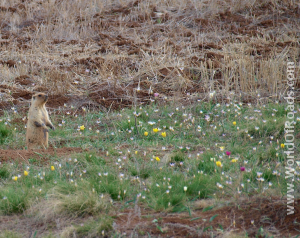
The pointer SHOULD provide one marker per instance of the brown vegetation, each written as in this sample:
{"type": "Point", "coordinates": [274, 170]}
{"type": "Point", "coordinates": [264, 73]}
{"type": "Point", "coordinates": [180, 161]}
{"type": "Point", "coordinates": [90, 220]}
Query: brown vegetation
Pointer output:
{"type": "Point", "coordinates": [112, 54]}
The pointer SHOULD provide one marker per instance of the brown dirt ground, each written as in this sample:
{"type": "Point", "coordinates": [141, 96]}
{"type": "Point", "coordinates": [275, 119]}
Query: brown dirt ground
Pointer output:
{"type": "Point", "coordinates": [42, 155]}
{"type": "Point", "coordinates": [267, 213]}
{"type": "Point", "coordinates": [264, 20]}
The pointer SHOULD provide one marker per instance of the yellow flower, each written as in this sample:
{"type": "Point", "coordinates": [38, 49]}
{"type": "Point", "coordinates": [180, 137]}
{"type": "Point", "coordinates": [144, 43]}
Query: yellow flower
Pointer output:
{"type": "Point", "coordinates": [282, 145]}
{"type": "Point", "coordinates": [136, 152]}
{"type": "Point", "coordinates": [157, 158]}
{"type": "Point", "coordinates": [146, 133]}
{"type": "Point", "coordinates": [155, 130]}
{"type": "Point", "coordinates": [15, 178]}
{"type": "Point", "coordinates": [234, 123]}
{"type": "Point", "coordinates": [82, 128]}
{"type": "Point", "coordinates": [222, 148]}
{"type": "Point", "coordinates": [52, 168]}
{"type": "Point", "coordinates": [233, 160]}
{"type": "Point", "coordinates": [218, 163]}
{"type": "Point", "coordinates": [164, 134]}
{"type": "Point", "coordinates": [25, 173]}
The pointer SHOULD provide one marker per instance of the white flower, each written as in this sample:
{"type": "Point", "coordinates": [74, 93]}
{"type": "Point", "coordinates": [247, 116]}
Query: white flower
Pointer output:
{"type": "Point", "coordinates": [185, 188]}
{"type": "Point", "coordinates": [211, 94]}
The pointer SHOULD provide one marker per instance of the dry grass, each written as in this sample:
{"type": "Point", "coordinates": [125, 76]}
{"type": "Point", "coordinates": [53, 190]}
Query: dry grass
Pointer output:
{"type": "Point", "coordinates": [59, 204]}
{"type": "Point", "coordinates": [174, 48]}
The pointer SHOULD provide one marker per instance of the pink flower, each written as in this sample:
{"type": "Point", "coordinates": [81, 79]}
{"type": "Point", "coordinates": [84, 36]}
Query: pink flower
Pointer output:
{"type": "Point", "coordinates": [228, 153]}
{"type": "Point", "coordinates": [156, 95]}
{"type": "Point", "coordinates": [242, 168]}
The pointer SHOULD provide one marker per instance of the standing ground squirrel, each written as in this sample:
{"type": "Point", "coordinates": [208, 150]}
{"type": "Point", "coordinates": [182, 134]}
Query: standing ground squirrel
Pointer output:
{"type": "Point", "coordinates": [38, 120]}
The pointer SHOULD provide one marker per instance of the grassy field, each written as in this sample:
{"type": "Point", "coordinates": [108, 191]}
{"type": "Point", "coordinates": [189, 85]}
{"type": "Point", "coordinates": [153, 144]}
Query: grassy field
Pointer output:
{"type": "Point", "coordinates": [170, 118]}
{"type": "Point", "coordinates": [143, 164]}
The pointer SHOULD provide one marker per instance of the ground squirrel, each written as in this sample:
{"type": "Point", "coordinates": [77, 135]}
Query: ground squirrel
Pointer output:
{"type": "Point", "coordinates": [38, 120]}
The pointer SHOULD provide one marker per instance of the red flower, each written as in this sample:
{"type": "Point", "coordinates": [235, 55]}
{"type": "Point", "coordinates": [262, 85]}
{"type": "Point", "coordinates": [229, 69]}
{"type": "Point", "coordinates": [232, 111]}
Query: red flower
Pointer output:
{"type": "Point", "coordinates": [228, 153]}
{"type": "Point", "coordinates": [242, 168]}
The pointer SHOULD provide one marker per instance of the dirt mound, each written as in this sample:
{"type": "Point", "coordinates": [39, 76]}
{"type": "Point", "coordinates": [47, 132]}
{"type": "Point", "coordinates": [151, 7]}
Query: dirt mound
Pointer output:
{"type": "Point", "coordinates": [40, 154]}
{"type": "Point", "coordinates": [270, 214]}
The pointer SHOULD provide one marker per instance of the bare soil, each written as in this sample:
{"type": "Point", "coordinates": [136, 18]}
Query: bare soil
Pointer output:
{"type": "Point", "coordinates": [267, 213]}
{"type": "Point", "coordinates": [40, 154]}
{"type": "Point", "coordinates": [121, 49]}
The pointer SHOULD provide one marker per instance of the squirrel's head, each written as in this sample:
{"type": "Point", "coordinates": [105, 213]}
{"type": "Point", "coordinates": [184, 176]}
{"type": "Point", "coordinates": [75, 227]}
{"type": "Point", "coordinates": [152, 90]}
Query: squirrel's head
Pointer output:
{"type": "Point", "coordinates": [40, 98]}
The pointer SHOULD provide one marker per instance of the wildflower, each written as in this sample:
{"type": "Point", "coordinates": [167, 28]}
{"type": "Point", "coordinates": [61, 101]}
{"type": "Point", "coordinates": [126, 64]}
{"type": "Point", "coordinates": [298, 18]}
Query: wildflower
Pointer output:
{"type": "Point", "coordinates": [157, 158]}
{"type": "Point", "coordinates": [168, 191]}
{"type": "Point", "coordinates": [228, 153]}
{"type": "Point", "coordinates": [155, 130]}
{"type": "Point", "coordinates": [185, 188]}
{"type": "Point", "coordinates": [222, 148]}
{"type": "Point", "coordinates": [145, 133]}
{"type": "Point", "coordinates": [233, 160]}
{"type": "Point", "coordinates": [234, 123]}
{"type": "Point", "coordinates": [282, 145]}
{"type": "Point", "coordinates": [219, 164]}
{"type": "Point", "coordinates": [25, 173]}
{"type": "Point", "coordinates": [211, 94]}
{"type": "Point", "coordinates": [15, 178]}
{"type": "Point", "coordinates": [52, 168]}
{"type": "Point", "coordinates": [220, 186]}
{"type": "Point", "coordinates": [163, 134]}
{"type": "Point", "coordinates": [259, 174]}
{"type": "Point", "coordinates": [242, 168]}
{"type": "Point", "coordinates": [82, 128]}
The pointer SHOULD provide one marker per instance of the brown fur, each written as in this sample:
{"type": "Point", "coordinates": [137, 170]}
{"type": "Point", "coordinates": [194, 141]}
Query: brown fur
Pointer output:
{"type": "Point", "coordinates": [38, 120]}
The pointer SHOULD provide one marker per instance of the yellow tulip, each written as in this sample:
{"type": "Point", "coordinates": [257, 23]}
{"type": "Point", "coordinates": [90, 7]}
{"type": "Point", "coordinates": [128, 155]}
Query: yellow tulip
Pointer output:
{"type": "Point", "coordinates": [145, 133]}
{"type": "Point", "coordinates": [164, 134]}
{"type": "Point", "coordinates": [218, 163]}
{"type": "Point", "coordinates": [157, 159]}
{"type": "Point", "coordinates": [155, 130]}
{"type": "Point", "coordinates": [82, 128]}
{"type": "Point", "coordinates": [15, 178]}
{"type": "Point", "coordinates": [234, 123]}
{"type": "Point", "coordinates": [233, 160]}
{"type": "Point", "coordinates": [52, 168]}
{"type": "Point", "coordinates": [25, 173]}
{"type": "Point", "coordinates": [282, 145]}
